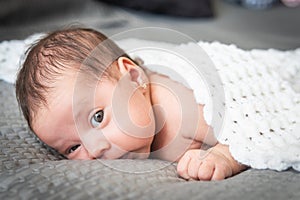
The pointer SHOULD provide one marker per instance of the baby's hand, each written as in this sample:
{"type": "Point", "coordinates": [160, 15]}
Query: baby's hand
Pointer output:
{"type": "Point", "coordinates": [215, 163]}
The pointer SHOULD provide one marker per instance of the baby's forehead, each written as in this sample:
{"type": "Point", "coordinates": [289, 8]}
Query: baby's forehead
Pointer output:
{"type": "Point", "coordinates": [73, 85]}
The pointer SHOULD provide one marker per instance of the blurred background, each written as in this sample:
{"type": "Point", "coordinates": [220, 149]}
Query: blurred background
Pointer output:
{"type": "Point", "coordinates": [249, 24]}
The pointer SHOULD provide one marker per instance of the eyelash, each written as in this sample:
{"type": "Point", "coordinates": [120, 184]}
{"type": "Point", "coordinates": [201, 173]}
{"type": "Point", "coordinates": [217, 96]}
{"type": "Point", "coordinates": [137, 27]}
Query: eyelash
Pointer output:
{"type": "Point", "coordinates": [72, 150]}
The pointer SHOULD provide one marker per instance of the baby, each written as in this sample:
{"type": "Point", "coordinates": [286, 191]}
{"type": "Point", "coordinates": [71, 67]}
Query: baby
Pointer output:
{"type": "Point", "coordinates": [85, 97]}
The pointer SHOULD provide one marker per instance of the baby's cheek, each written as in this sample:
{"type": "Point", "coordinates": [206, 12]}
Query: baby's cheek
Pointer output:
{"type": "Point", "coordinates": [138, 111]}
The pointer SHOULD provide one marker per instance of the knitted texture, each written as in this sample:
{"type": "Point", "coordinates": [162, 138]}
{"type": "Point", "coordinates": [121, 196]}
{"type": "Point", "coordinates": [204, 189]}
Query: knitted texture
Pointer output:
{"type": "Point", "coordinates": [261, 123]}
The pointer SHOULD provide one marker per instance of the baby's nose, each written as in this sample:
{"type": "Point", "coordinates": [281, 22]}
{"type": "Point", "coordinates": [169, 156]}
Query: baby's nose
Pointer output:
{"type": "Point", "coordinates": [97, 150]}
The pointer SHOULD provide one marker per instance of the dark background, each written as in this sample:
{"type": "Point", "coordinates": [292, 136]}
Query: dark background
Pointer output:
{"type": "Point", "coordinates": [276, 27]}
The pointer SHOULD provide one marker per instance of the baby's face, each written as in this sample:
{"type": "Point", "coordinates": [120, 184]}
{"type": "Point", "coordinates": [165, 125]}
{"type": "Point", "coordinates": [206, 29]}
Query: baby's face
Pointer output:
{"type": "Point", "coordinates": [107, 120]}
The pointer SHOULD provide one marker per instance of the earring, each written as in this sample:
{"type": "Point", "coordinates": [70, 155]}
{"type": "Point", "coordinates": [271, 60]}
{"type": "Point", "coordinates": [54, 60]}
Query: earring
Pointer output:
{"type": "Point", "coordinates": [144, 86]}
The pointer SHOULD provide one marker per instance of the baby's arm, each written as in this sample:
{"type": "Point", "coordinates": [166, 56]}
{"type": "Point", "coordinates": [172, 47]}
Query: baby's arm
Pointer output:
{"type": "Point", "coordinates": [215, 163]}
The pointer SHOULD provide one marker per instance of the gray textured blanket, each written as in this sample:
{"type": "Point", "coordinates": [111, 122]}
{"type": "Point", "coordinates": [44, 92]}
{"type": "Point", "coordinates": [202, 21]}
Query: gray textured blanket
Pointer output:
{"type": "Point", "coordinates": [30, 170]}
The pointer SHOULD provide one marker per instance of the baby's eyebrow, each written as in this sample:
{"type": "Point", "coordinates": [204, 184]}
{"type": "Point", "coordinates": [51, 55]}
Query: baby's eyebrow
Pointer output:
{"type": "Point", "coordinates": [77, 105]}
{"type": "Point", "coordinates": [77, 115]}
{"type": "Point", "coordinates": [81, 113]}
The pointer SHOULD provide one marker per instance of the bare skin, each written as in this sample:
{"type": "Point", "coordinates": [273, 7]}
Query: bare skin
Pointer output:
{"type": "Point", "coordinates": [164, 122]}
{"type": "Point", "coordinates": [180, 140]}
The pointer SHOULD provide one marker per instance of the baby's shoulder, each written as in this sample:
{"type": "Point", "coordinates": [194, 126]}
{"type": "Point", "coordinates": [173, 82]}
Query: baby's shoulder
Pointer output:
{"type": "Point", "coordinates": [176, 115]}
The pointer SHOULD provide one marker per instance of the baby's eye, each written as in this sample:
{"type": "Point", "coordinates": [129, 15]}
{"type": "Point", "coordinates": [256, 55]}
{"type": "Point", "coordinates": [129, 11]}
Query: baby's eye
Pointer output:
{"type": "Point", "coordinates": [97, 118]}
{"type": "Point", "coordinates": [73, 148]}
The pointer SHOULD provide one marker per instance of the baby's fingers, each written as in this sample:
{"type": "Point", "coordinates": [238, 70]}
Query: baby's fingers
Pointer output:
{"type": "Point", "coordinates": [182, 167]}
{"type": "Point", "coordinates": [193, 168]}
{"type": "Point", "coordinates": [221, 172]}
{"type": "Point", "coordinates": [206, 171]}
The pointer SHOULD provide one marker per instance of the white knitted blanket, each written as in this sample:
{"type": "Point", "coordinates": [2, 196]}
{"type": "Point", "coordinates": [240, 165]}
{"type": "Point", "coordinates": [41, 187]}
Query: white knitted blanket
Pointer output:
{"type": "Point", "coordinates": [262, 107]}
{"type": "Point", "coordinates": [263, 123]}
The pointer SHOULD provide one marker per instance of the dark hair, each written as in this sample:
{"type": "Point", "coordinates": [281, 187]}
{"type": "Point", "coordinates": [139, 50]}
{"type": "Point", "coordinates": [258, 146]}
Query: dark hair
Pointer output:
{"type": "Point", "coordinates": [60, 50]}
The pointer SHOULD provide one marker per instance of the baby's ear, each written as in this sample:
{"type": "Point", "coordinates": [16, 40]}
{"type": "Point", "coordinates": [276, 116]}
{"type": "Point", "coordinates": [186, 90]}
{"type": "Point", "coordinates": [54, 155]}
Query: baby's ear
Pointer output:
{"type": "Point", "coordinates": [126, 65]}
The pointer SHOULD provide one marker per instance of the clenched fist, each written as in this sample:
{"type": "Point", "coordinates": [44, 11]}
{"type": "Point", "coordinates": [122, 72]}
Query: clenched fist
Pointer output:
{"type": "Point", "coordinates": [215, 163]}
